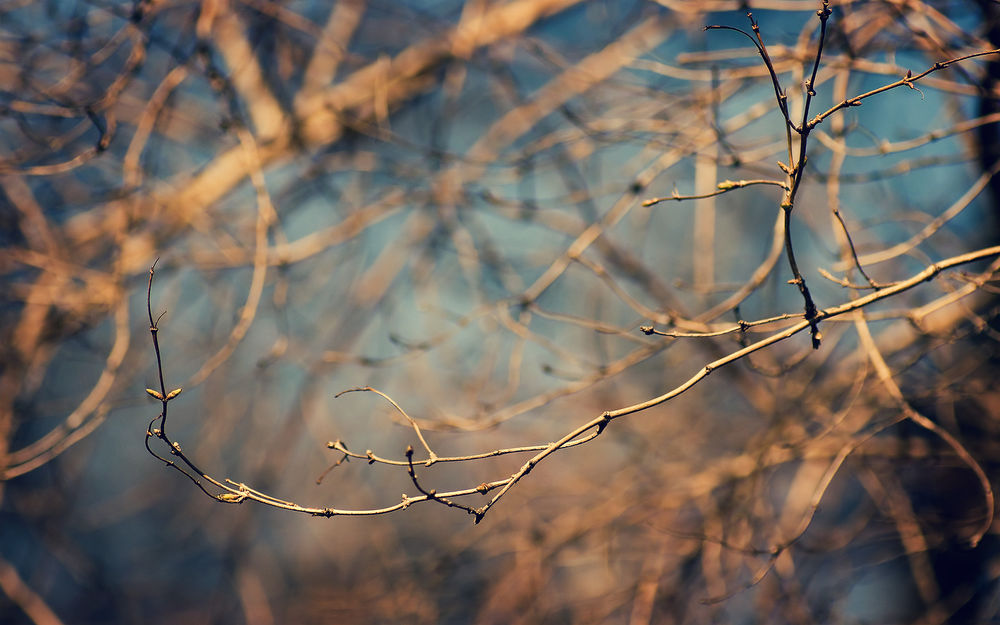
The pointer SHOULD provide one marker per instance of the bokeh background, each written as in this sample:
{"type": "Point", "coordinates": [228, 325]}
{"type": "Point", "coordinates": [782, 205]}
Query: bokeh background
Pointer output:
{"type": "Point", "coordinates": [449, 201]}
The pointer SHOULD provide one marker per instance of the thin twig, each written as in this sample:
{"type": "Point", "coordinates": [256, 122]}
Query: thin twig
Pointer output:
{"type": "Point", "coordinates": [432, 457]}
{"type": "Point", "coordinates": [723, 187]}
{"type": "Point", "coordinates": [235, 492]}
{"type": "Point", "coordinates": [907, 80]}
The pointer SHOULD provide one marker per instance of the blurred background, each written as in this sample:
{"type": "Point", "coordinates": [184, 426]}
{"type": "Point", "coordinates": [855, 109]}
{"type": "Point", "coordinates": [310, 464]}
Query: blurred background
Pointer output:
{"type": "Point", "coordinates": [452, 202]}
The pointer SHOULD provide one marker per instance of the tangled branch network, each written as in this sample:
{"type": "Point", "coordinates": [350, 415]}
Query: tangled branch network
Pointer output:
{"type": "Point", "coordinates": [799, 128]}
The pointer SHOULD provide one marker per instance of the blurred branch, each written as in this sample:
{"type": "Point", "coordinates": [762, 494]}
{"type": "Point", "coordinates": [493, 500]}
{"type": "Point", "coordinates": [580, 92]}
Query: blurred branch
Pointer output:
{"type": "Point", "coordinates": [24, 597]}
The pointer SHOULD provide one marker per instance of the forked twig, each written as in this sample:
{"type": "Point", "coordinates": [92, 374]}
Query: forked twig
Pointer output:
{"type": "Point", "coordinates": [238, 492]}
